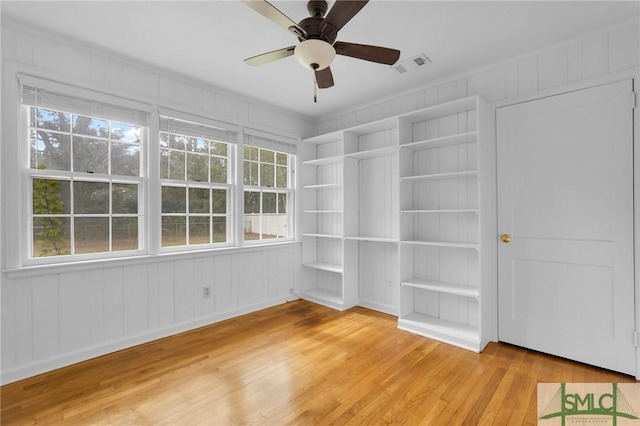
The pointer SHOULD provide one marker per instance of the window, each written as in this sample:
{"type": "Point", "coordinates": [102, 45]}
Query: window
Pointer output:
{"type": "Point", "coordinates": [88, 191]}
{"type": "Point", "coordinates": [86, 185]}
{"type": "Point", "coordinates": [268, 192]}
{"type": "Point", "coordinates": [196, 174]}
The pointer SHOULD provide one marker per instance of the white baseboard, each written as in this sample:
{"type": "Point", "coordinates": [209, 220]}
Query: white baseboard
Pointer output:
{"type": "Point", "coordinates": [385, 309]}
{"type": "Point", "coordinates": [63, 360]}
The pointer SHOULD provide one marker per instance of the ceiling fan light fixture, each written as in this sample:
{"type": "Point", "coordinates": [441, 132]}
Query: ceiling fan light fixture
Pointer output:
{"type": "Point", "coordinates": [315, 54]}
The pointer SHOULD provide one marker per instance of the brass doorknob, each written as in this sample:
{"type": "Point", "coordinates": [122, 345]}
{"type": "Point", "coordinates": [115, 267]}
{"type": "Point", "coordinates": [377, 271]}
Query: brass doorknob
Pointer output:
{"type": "Point", "coordinates": [505, 238]}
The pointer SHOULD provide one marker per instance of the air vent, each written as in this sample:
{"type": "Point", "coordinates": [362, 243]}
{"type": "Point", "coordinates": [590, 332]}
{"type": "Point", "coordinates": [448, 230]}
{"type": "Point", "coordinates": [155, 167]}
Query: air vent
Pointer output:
{"type": "Point", "coordinates": [411, 63]}
{"type": "Point", "coordinates": [401, 69]}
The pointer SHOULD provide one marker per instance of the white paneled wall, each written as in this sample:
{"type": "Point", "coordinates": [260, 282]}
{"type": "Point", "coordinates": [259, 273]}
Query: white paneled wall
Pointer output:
{"type": "Point", "coordinates": [56, 319]}
{"type": "Point", "coordinates": [582, 59]}
{"type": "Point", "coordinates": [51, 319]}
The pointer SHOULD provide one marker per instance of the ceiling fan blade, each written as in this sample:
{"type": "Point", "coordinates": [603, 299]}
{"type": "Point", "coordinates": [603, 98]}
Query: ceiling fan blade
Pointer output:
{"type": "Point", "coordinates": [324, 78]}
{"type": "Point", "coordinates": [381, 55]}
{"type": "Point", "coordinates": [269, 57]}
{"type": "Point", "coordinates": [271, 12]}
{"type": "Point", "coordinates": [342, 12]}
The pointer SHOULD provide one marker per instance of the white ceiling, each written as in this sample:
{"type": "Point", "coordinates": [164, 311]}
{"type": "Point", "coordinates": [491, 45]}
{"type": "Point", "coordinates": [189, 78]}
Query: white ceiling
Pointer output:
{"type": "Point", "coordinates": [208, 40]}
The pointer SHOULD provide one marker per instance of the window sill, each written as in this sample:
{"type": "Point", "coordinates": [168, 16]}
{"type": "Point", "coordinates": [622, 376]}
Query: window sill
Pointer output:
{"type": "Point", "coordinates": [35, 270]}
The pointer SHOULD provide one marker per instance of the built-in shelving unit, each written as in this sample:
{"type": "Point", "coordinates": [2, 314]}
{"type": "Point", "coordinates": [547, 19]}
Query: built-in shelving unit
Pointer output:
{"type": "Point", "coordinates": [366, 217]}
{"type": "Point", "coordinates": [322, 222]}
{"type": "Point", "coordinates": [442, 246]}
{"type": "Point", "coordinates": [395, 218]}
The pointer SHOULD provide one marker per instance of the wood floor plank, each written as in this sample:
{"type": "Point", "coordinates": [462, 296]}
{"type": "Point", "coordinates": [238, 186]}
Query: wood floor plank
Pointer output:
{"type": "Point", "coordinates": [299, 364]}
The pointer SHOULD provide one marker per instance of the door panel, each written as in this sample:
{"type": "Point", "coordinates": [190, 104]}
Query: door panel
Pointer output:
{"type": "Point", "coordinates": [565, 196]}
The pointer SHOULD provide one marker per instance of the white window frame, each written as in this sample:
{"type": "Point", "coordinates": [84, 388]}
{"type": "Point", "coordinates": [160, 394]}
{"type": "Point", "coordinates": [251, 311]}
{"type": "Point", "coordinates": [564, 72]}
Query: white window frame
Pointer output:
{"type": "Point", "coordinates": [266, 141]}
{"type": "Point", "coordinates": [197, 128]}
{"type": "Point", "coordinates": [78, 101]}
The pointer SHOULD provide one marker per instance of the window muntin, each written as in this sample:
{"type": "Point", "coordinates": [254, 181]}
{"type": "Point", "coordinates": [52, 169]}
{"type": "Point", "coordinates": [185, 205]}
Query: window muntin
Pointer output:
{"type": "Point", "coordinates": [85, 185]}
{"type": "Point", "coordinates": [267, 194]}
{"type": "Point", "coordinates": [195, 178]}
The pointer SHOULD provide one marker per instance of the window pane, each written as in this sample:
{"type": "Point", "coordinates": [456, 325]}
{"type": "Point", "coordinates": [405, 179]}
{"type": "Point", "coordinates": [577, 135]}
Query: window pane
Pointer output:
{"type": "Point", "coordinates": [91, 234]}
{"type": "Point", "coordinates": [174, 199]}
{"type": "Point", "coordinates": [51, 236]}
{"type": "Point", "coordinates": [125, 132]}
{"type": "Point", "coordinates": [198, 145]}
{"type": "Point", "coordinates": [251, 202]}
{"type": "Point", "coordinates": [125, 159]}
{"type": "Point", "coordinates": [91, 197]}
{"type": "Point", "coordinates": [267, 172]}
{"type": "Point", "coordinates": [174, 231]}
{"type": "Point", "coordinates": [51, 196]}
{"type": "Point", "coordinates": [124, 198]}
{"type": "Point", "coordinates": [269, 202]}
{"type": "Point", "coordinates": [219, 170]}
{"type": "Point", "coordinates": [267, 156]}
{"type": "Point", "coordinates": [219, 201]}
{"type": "Point", "coordinates": [199, 230]}
{"type": "Point", "coordinates": [250, 173]}
{"type": "Point", "coordinates": [198, 200]}
{"type": "Point", "coordinates": [90, 155]}
{"type": "Point", "coordinates": [54, 120]}
{"type": "Point", "coordinates": [164, 140]}
{"type": "Point", "coordinates": [250, 153]}
{"type": "Point", "coordinates": [252, 227]}
{"type": "Point", "coordinates": [125, 233]}
{"type": "Point", "coordinates": [282, 203]}
{"type": "Point", "coordinates": [283, 226]}
{"type": "Point", "coordinates": [178, 142]}
{"type": "Point", "coordinates": [164, 164]}
{"type": "Point", "coordinates": [281, 177]}
{"type": "Point", "coordinates": [90, 126]}
{"type": "Point", "coordinates": [219, 148]}
{"type": "Point", "coordinates": [176, 165]}
{"type": "Point", "coordinates": [281, 159]}
{"type": "Point", "coordinates": [219, 229]}
{"type": "Point", "coordinates": [269, 226]}
{"type": "Point", "coordinates": [197, 168]}
{"type": "Point", "coordinates": [53, 151]}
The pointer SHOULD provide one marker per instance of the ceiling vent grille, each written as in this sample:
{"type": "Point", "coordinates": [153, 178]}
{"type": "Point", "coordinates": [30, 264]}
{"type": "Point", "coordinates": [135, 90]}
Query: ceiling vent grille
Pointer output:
{"type": "Point", "coordinates": [411, 63]}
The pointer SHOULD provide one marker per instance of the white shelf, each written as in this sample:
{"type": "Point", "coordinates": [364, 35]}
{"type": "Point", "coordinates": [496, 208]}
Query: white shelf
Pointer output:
{"type": "Point", "coordinates": [331, 236]}
{"type": "Point", "coordinates": [442, 110]}
{"type": "Point", "coordinates": [322, 211]}
{"type": "Point", "coordinates": [324, 297]}
{"type": "Point", "coordinates": [373, 153]}
{"type": "Point", "coordinates": [446, 331]}
{"type": "Point", "coordinates": [439, 211]}
{"type": "Point", "coordinates": [323, 161]}
{"type": "Point", "coordinates": [374, 239]}
{"type": "Point", "coordinates": [452, 140]}
{"type": "Point", "coordinates": [457, 289]}
{"type": "Point", "coordinates": [330, 267]}
{"type": "Point", "coordinates": [440, 176]}
{"type": "Point", "coordinates": [441, 244]}
{"type": "Point", "coordinates": [323, 186]}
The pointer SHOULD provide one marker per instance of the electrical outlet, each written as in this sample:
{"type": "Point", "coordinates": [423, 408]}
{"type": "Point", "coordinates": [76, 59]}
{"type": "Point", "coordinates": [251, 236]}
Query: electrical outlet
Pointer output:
{"type": "Point", "coordinates": [206, 291]}
{"type": "Point", "coordinates": [292, 291]}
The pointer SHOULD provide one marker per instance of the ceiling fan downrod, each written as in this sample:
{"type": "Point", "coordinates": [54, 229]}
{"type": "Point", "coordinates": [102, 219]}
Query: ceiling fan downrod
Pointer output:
{"type": "Point", "coordinates": [315, 83]}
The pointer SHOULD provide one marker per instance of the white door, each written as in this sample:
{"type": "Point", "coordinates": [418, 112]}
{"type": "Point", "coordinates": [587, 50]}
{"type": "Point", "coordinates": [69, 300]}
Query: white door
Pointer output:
{"type": "Point", "coordinates": [565, 198]}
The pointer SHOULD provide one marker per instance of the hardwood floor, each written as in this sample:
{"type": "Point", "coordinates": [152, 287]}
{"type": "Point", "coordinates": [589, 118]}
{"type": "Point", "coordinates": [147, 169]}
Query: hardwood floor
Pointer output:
{"type": "Point", "coordinates": [297, 363]}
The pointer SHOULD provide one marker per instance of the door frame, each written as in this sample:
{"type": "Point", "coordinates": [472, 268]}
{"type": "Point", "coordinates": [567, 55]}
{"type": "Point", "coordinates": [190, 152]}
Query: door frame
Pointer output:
{"type": "Point", "coordinates": [631, 74]}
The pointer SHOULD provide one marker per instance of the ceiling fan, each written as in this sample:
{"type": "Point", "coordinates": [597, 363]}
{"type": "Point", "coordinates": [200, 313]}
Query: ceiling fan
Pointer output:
{"type": "Point", "coordinates": [317, 35]}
